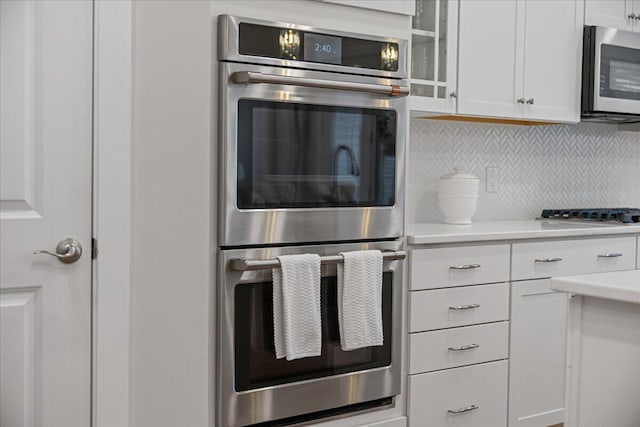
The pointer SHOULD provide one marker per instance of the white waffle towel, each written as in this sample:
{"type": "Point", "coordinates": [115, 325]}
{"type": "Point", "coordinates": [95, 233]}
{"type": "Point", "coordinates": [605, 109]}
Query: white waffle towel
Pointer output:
{"type": "Point", "coordinates": [296, 307]}
{"type": "Point", "coordinates": [360, 299]}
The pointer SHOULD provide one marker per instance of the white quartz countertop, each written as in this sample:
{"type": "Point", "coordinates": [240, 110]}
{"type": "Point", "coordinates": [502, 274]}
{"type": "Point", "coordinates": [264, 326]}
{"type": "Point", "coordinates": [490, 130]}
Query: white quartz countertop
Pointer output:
{"type": "Point", "coordinates": [430, 233]}
{"type": "Point", "coordinates": [619, 285]}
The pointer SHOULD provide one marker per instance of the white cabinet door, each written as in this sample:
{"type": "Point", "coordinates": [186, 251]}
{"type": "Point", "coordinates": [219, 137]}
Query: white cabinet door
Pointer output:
{"type": "Point", "coordinates": [434, 57]}
{"type": "Point", "coordinates": [610, 13]}
{"type": "Point", "coordinates": [520, 59]}
{"type": "Point", "coordinates": [552, 60]}
{"type": "Point", "coordinates": [489, 58]}
{"type": "Point", "coordinates": [537, 354]}
{"type": "Point", "coordinates": [45, 196]}
{"type": "Point", "coordinates": [404, 7]}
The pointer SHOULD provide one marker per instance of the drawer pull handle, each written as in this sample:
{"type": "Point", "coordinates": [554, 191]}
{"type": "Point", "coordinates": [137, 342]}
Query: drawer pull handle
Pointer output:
{"type": "Point", "coordinates": [463, 410]}
{"type": "Point", "coordinates": [464, 307]}
{"type": "Point", "coordinates": [464, 347]}
{"type": "Point", "coordinates": [616, 255]}
{"type": "Point", "coordinates": [548, 259]}
{"type": "Point", "coordinates": [465, 267]}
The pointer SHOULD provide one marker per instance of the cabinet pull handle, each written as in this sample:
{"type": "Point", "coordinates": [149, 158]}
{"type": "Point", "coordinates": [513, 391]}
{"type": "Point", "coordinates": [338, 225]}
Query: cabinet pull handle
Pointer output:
{"type": "Point", "coordinates": [614, 255]}
{"type": "Point", "coordinates": [465, 267]}
{"type": "Point", "coordinates": [633, 16]}
{"type": "Point", "coordinates": [548, 259]}
{"type": "Point", "coordinates": [464, 347]}
{"type": "Point", "coordinates": [520, 100]}
{"type": "Point", "coordinates": [464, 307]}
{"type": "Point", "coordinates": [463, 410]}
{"type": "Point", "coordinates": [530, 101]}
{"type": "Point", "coordinates": [453, 94]}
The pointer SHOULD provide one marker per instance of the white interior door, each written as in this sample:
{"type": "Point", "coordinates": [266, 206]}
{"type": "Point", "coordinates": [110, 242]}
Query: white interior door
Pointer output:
{"type": "Point", "coordinates": [45, 196]}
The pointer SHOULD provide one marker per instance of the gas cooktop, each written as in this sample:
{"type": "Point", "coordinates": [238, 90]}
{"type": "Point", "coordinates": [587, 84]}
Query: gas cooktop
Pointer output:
{"type": "Point", "coordinates": [617, 215]}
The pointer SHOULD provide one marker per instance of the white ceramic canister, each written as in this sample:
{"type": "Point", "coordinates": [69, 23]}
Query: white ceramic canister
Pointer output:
{"type": "Point", "coordinates": [458, 194]}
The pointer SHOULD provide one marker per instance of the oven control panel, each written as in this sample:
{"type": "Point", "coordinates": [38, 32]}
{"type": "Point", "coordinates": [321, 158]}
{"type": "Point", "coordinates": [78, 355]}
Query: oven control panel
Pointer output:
{"type": "Point", "coordinates": [258, 42]}
{"type": "Point", "coordinates": [294, 44]}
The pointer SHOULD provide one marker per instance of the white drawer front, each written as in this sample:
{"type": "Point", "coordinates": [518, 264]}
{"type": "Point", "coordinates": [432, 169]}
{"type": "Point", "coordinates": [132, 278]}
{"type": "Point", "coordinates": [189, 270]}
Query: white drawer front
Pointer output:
{"type": "Point", "coordinates": [432, 396]}
{"type": "Point", "coordinates": [450, 307]}
{"type": "Point", "coordinates": [459, 266]}
{"type": "Point", "coordinates": [431, 351]}
{"type": "Point", "coordinates": [568, 257]}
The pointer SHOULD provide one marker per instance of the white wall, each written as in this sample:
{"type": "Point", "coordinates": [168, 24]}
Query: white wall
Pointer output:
{"type": "Point", "coordinates": [558, 166]}
{"type": "Point", "coordinates": [172, 264]}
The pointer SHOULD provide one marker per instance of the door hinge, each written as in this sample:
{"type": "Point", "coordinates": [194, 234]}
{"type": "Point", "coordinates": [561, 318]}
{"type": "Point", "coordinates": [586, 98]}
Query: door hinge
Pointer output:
{"type": "Point", "coordinates": [94, 248]}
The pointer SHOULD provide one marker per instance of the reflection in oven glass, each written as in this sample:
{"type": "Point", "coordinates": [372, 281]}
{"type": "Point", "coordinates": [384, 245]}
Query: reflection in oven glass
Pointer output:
{"type": "Point", "coordinates": [256, 365]}
{"type": "Point", "coordinates": [303, 156]}
{"type": "Point", "coordinates": [289, 41]}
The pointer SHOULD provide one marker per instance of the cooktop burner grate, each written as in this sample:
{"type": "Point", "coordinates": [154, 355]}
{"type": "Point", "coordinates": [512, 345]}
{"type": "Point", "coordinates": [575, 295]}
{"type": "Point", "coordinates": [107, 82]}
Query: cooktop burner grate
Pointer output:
{"type": "Point", "coordinates": [624, 215]}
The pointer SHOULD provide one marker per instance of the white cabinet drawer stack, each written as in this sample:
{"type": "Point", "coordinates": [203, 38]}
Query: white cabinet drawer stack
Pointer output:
{"type": "Point", "coordinates": [487, 334]}
{"type": "Point", "coordinates": [459, 336]}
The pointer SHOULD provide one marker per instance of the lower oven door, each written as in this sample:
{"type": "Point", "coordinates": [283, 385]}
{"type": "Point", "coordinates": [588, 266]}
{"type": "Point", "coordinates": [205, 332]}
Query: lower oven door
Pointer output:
{"type": "Point", "coordinates": [309, 156]}
{"type": "Point", "coordinates": [254, 387]}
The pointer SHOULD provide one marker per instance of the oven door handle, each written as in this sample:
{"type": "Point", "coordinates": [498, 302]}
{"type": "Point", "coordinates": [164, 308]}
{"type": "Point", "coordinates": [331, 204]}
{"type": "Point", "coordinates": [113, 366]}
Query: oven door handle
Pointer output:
{"type": "Point", "coordinates": [254, 77]}
{"type": "Point", "coordinates": [266, 264]}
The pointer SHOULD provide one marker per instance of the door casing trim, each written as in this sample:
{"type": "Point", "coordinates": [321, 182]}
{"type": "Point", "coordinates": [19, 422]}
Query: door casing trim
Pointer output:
{"type": "Point", "coordinates": [112, 139]}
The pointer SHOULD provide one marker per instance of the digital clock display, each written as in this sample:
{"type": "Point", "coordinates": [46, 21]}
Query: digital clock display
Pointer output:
{"type": "Point", "coordinates": [322, 48]}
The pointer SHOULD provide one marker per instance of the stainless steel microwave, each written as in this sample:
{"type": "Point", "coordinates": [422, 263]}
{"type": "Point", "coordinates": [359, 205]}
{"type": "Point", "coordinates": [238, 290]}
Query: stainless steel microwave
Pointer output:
{"type": "Point", "coordinates": [610, 75]}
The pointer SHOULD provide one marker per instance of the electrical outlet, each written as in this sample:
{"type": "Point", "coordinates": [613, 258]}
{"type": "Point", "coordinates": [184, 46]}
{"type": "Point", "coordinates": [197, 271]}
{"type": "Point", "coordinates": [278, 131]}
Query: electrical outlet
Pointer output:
{"type": "Point", "coordinates": [491, 180]}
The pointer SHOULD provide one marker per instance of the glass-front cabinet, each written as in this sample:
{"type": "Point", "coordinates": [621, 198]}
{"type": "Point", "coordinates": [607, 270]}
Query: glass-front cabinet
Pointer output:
{"type": "Point", "coordinates": [434, 41]}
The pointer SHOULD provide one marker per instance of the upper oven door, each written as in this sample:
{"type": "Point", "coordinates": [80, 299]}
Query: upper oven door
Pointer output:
{"type": "Point", "coordinates": [310, 156]}
{"type": "Point", "coordinates": [616, 71]}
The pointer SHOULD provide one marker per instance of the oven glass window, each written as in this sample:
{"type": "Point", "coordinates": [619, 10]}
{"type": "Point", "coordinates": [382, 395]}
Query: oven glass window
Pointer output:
{"type": "Point", "coordinates": [256, 365]}
{"type": "Point", "coordinates": [310, 156]}
{"type": "Point", "coordinates": [620, 72]}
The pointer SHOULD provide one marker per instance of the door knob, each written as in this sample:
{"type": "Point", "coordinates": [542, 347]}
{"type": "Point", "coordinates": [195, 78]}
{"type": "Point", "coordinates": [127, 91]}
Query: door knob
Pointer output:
{"type": "Point", "coordinates": [68, 251]}
{"type": "Point", "coordinates": [632, 16]}
{"type": "Point", "coordinates": [530, 101]}
{"type": "Point", "coordinates": [520, 100]}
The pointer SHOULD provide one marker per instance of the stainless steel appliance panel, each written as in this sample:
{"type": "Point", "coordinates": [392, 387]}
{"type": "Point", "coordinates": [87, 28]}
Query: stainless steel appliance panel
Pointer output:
{"type": "Point", "coordinates": [611, 75]}
{"type": "Point", "coordinates": [238, 408]}
{"type": "Point", "coordinates": [228, 48]}
{"type": "Point", "coordinates": [239, 227]}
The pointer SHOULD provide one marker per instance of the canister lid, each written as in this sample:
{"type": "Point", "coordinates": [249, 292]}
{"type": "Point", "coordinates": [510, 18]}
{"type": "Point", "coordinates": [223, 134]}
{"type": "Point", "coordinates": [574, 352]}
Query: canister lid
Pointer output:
{"type": "Point", "coordinates": [459, 173]}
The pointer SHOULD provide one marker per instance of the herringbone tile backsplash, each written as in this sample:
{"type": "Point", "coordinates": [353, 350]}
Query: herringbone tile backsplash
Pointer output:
{"type": "Point", "coordinates": [557, 166]}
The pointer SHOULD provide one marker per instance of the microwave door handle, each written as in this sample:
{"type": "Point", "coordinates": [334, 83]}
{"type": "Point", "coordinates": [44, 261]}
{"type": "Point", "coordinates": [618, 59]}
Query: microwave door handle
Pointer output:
{"type": "Point", "coordinates": [254, 77]}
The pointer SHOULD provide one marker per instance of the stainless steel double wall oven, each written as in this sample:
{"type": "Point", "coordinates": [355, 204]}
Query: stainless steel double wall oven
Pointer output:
{"type": "Point", "coordinates": [312, 145]}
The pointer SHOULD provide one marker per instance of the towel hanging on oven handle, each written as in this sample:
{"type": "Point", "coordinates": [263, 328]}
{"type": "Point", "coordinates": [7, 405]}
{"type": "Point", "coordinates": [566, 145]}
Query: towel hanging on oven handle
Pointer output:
{"type": "Point", "coordinates": [265, 264]}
